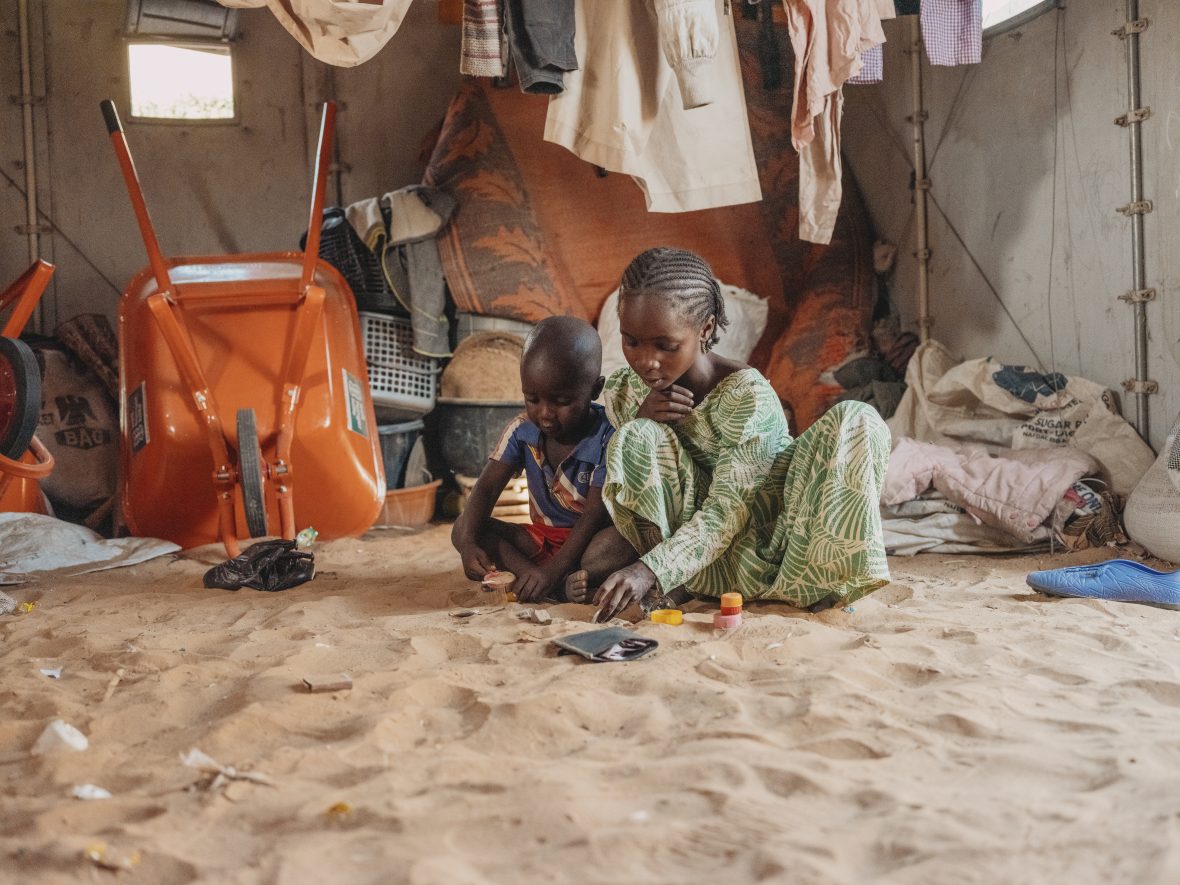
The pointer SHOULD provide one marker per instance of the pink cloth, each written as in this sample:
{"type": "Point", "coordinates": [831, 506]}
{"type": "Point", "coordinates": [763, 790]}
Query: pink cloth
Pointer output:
{"type": "Point", "coordinates": [1015, 493]}
{"type": "Point", "coordinates": [828, 37]}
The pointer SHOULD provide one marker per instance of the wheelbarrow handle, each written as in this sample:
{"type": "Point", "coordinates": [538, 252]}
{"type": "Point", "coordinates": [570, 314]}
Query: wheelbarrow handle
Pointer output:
{"type": "Point", "coordinates": [111, 115]}
{"type": "Point", "coordinates": [135, 192]}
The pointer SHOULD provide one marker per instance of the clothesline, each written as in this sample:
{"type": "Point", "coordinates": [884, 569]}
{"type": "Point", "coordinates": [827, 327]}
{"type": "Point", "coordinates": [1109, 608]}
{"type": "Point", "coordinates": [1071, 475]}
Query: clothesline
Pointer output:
{"type": "Point", "coordinates": [672, 111]}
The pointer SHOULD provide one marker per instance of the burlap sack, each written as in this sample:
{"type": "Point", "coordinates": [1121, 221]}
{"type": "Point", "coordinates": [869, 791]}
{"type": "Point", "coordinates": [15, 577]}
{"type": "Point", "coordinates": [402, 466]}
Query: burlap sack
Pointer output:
{"type": "Point", "coordinates": [80, 427]}
{"type": "Point", "coordinates": [1017, 407]}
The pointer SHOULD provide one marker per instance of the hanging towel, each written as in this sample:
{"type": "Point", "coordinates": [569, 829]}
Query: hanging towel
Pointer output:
{"type": "Point", "coordinates": [953, 31]}
{"type": "Point", "coordinates": [481, 52]}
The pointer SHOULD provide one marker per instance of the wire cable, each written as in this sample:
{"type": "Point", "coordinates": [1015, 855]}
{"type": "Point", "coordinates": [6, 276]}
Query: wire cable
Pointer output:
{"type": "Point", "coordinates": [57, 230]}
{"type": "Point", "coordinates": [987, 282]}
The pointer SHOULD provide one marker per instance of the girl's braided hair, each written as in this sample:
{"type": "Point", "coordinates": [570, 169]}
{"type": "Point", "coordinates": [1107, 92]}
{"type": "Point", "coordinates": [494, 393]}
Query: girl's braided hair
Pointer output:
{"type": "Point", "coordinates": [683, 278]}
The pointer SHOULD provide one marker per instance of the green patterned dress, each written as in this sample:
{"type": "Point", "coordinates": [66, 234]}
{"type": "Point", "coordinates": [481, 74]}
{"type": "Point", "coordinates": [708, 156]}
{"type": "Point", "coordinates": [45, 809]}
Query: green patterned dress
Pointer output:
{"type": "Point", "coordinates": [726, 500]}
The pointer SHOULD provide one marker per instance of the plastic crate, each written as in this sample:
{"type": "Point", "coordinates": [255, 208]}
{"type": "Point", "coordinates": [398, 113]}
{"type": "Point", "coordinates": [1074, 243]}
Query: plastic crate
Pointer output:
{"type": "Point", "coordinates": [399, 378]}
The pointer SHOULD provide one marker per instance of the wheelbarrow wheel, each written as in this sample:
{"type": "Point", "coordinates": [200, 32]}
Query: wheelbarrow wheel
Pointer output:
{"type": "Point", "coordinates": [250, 473]}
{"type": "Point", "coordinates": [20, 397]}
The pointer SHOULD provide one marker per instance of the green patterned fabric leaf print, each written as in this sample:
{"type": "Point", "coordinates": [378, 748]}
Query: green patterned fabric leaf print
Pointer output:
{"type": "Point", "coordinates": [843, 513]}
{"type": "Point", "coordinates": [742, 506]}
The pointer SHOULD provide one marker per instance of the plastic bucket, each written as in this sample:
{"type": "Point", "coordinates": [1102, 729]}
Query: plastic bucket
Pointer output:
{"type": "Point", "coordinates": [396, 442]}
{"type": "Point", "coordinates": [468, 430]}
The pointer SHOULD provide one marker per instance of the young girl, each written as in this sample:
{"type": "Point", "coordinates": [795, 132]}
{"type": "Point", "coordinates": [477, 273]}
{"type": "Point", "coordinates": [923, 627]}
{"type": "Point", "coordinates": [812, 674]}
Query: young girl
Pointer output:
{"type": "Point", "coordinates": [703, 477]}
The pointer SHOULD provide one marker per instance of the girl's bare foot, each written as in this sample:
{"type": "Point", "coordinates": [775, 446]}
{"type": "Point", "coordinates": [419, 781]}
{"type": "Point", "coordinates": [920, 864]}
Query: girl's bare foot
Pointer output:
{"type": "Point", "coordinates": [577, 587]}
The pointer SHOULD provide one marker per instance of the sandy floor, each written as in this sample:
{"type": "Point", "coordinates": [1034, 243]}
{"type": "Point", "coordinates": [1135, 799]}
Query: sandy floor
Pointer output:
{"type": "Point", "coordinates": [955, 727]}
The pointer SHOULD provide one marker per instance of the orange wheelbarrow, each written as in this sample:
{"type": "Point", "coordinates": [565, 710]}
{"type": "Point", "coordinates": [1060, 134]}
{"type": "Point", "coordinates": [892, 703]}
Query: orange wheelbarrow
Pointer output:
{"type": "Point", "coordinates": [23, 459]}
{"type": "Point", "coordinates": [271, 339]}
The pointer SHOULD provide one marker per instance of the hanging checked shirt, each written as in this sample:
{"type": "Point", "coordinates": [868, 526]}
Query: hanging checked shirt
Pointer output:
{"type": "Point", "coordinates": [557, 495]}
{"type": "Point", "coordinates": [953, 31]}
{"type": "Point", "coordinates": [872, 67]}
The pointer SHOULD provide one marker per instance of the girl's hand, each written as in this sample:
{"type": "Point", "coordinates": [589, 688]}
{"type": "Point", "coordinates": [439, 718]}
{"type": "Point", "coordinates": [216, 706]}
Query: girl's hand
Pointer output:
{"type": "Point", "coordinates": [666, 406]}
{"type": "Point", "coordinates": [622, 588]}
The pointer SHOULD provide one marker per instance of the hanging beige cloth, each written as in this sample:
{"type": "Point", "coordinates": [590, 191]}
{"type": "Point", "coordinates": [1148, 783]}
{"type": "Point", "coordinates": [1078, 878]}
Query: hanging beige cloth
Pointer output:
{"type": "Point", "coordinates": [339, 32]}
{"type": "Point", "coordinates": [828, 37]}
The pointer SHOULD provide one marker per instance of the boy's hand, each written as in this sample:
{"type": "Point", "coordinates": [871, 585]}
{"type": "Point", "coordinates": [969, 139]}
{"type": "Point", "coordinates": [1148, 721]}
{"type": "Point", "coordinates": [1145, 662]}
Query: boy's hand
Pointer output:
{"type": "Point", "coordinates": [535, 584]}
{"type": "Point", "coordinates": [476, 563]}
{"type": "Point", "coordinates": [666, 406]}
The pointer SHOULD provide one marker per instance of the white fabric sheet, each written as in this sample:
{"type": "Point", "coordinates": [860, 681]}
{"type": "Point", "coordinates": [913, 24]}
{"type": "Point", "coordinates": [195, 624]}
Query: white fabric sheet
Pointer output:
{"type": "Point", "coordinates": [31, 544]}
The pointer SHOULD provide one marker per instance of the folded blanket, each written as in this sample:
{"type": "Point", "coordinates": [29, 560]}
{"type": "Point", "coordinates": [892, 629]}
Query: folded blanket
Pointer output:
{"type": "Point", "coordinates": [1015, 492]}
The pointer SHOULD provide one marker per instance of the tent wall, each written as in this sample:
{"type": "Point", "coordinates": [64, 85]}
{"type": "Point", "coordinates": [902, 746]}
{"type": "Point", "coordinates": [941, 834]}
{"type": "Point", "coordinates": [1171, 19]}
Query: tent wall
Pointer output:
{"type": "Point", "coordinates": [1033, 192]}
{"type": "Point", "coordinates": [1025, 160]}
{"type": "Point", "coordinates": [210, 188]}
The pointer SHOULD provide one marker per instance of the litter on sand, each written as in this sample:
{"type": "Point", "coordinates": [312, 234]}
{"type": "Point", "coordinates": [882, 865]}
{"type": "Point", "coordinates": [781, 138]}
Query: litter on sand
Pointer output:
{"type": "Point", "coordinates": [201, 761]}
{"type": "Point", "coordinates": [59, 735]}
{"type": "Point", "coordinates": [609, 644]}
{"type": "Point", "coordinates": [89, 791]}
{"type": "Point", "coordinates": [111, 858]}
{"type": "Point", "coordinates": [328, 682]}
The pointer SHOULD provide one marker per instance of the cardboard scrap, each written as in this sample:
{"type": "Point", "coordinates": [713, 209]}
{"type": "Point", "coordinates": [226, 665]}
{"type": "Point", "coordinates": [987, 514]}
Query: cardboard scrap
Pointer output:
{"type": "Point", "coordinates": [328, 682]}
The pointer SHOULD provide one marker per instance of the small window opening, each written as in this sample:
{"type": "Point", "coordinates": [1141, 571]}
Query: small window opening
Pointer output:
{"type": "Point", "coordinates": [174, 82]}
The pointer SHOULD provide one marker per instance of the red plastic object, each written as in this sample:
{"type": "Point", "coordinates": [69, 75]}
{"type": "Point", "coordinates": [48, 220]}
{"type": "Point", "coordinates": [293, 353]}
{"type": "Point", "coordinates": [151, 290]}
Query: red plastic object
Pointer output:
{"type": "Point", "coordinates": [203, 342]}
{"type": "Point", "coordinates": [19, 475]}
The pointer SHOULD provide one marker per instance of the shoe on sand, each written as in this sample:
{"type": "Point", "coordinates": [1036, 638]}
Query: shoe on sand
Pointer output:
{"type": "Point", "coordinates": [1118, 580]}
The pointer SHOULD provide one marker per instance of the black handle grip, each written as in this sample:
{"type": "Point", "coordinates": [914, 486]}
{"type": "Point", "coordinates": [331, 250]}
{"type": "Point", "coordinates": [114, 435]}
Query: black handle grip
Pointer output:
{"type": "Point", "coordinates": [111, 116]}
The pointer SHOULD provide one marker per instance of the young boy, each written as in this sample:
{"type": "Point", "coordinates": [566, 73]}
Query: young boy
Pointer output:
{"type": "Point", "coordinates": [560, 443]}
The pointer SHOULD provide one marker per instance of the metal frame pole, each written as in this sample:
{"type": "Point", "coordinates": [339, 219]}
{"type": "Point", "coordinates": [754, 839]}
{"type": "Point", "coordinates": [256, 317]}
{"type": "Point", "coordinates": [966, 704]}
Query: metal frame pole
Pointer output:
{"type": "Point", "coordinates": [921, 182]}
{"type": "Point", "coordinates": [32, 229]}
{"type": "Point", "coordinates": [1140, 386]}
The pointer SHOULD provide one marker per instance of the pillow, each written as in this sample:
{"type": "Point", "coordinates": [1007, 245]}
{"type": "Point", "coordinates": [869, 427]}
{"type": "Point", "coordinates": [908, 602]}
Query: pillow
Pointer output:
{"type": "Point", "coordinates": [747, 320]}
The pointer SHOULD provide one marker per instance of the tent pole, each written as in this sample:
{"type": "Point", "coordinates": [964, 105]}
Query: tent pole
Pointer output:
{"type": "Point", "coordinates": [31, 229]}
{"type": "Point", "coordinates": [921, 182]}
{"type": "Point", "coordinates": [1140, 294]}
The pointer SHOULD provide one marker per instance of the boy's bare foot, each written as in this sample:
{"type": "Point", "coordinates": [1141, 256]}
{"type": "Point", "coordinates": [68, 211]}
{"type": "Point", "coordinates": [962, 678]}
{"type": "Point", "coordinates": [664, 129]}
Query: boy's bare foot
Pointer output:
{"type": "Point", "coordinates": [577, 587]}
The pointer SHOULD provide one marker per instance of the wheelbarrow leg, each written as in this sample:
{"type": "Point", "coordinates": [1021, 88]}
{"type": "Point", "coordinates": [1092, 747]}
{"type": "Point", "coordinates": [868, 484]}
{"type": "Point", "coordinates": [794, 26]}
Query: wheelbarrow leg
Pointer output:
{"type": "Point", "coordinates": [308, 313]}
{"type": "Point", "coordinates": [190, 371]}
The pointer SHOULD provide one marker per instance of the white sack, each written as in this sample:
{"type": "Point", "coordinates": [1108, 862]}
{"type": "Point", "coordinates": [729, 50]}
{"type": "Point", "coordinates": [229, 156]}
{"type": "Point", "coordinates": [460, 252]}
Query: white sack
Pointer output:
{"type": "Point", "coordinates": [1152, 516]}
{"type": "Point", "coordinates": [745, 311]}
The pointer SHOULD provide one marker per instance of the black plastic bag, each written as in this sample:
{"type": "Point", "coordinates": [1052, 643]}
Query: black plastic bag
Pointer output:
{"type": "Point", "coordinates": [267, 565]}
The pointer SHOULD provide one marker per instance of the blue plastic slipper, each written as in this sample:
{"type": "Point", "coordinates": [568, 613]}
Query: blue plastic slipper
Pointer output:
{"type": "Point", "coordinates": [1119, 580]}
